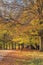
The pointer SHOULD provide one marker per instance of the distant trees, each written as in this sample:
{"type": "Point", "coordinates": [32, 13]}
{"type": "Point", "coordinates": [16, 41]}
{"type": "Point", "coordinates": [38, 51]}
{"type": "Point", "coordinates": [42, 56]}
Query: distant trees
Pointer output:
{"type": "Point", "coordinates": [5, 40]}
{"type": "Point", "coordinates": [36, 9]}
{"type": "Point", "coordinates": [19, 15]}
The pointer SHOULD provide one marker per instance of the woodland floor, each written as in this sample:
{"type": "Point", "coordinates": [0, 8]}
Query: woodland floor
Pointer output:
{"type": "Point", "coordinates": [12, 57]}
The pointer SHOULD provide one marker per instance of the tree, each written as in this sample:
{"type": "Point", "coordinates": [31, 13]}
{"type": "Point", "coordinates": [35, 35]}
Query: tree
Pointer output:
{"type": "Point", "coordinates": [6, 39]}
{"type": "Point", "coordinates": [18, 15]}
{"type": "Point", "coordinates": [41, 35]}
{"type": "Point", "coordinates": [36, 9]}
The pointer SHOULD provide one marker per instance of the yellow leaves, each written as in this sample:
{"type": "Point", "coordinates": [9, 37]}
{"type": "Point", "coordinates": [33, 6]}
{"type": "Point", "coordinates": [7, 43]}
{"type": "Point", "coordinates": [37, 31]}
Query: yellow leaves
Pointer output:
{"type": "Point", "coordinates": [17, 39]}
{"type": "Point", "coordinates": [3, 31]}
{"type": "Point", "coordinates": [35, 22]}
{"type": "Point", "coordinates": [21, 40]}
{"type": "Point", "coordinates": [33, 32]}
{"type": "Point", "coordinates": [35, 40]}
{"type": "Point", "coordinates": [25, 12]}
{"type": "Point", "coordinates": [23, 17]}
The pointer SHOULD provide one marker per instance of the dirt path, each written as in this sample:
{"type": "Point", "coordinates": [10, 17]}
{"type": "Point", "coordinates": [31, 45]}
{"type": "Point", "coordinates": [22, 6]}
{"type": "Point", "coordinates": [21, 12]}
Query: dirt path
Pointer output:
{"type": "Point", "coordinates": [21, 54]}
{"type": "Point", "coordinates": [11, 57]}
{"type": "Point", "coordinates": [26, 54]}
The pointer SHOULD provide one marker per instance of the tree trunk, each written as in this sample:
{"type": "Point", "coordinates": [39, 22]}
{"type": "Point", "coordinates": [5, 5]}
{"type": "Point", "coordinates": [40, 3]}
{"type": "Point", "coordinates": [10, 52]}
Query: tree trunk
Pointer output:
{"type": "Point", "coordinates": [15, 46]}
{"type": "Point", "coordinates": [19, 46]}
{"type": "Point", "coordinates": [42, 43]}
{"type": "Point", "coordinates": [12, 46]}
{"type": "Point", "coordinates": [22, 46]}
{"type": "Point", "coordinates": [4, 45]}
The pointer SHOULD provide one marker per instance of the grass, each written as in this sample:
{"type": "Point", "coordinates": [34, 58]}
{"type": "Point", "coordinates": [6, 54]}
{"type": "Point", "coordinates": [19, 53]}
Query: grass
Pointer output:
{"type": "Point", "coordinates": [13, 61]}
{"type": "Point", "coordinates": [30, 62]}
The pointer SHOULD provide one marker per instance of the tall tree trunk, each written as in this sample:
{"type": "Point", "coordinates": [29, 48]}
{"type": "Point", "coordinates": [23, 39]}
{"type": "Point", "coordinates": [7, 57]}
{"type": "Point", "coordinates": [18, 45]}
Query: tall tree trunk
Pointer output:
{"type": "Point", "coordinates": [42, 43]}
{"type": "Point", "coordinates": [12, 45]}
{"type": "Point", "coordinates": [4, 45]}
{"type": "Point", "coordinates": [22, 46]}
{"type": "Point", "coordinates": [19, 46]}
{"type": "Point", "coordinates": [15, 46]}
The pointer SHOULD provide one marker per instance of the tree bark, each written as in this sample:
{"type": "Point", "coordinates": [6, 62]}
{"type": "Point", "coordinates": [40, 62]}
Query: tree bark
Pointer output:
{"type": "Point", "coordinates": [18, 46]}
{"type": "Point", "coordinates": [15, 46]}
{"type": "Point", "coordinates": [42, 43]}
{"type": "Point", "coordinates": [22, 46]}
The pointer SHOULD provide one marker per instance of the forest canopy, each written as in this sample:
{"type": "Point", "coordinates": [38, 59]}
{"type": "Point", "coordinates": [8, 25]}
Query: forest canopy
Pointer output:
{"type": "Point", "coordinates": [21, 20]}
